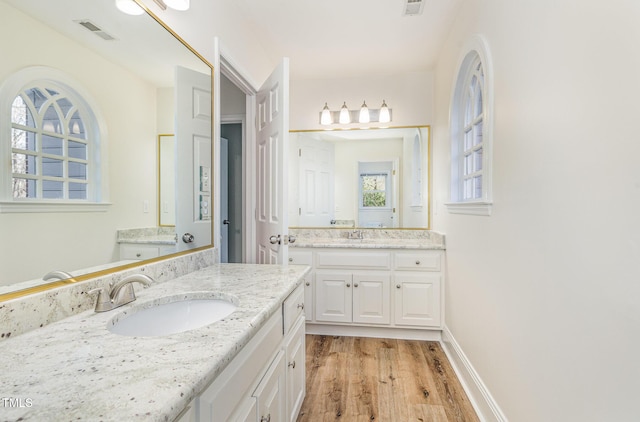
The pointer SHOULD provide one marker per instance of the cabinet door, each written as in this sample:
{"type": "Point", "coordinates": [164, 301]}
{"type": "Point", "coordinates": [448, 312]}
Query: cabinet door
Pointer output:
{"type": "Point", "coordinates": [295, 352]}
{"type": "Point", "coordinates": [308, 297]}
{"type": "Point", "coordinates": [333, 296]}
{"type": "Point", "coordinates": [270, 393]}
{"type": "Point", "coordinates": [246, 412]}
{"type": "Point", "coordinates": [417, 299]}
{"type": "Point", "coordinates": [371, 298]}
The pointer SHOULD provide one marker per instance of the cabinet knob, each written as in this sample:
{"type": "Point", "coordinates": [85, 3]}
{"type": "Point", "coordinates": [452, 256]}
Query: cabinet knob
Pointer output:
{"type": "Point", "coordinates": [355, 284]}
{"type": "Point", "coordinates": [290, 259]}
{"type": "Point", "coordinates": [307, 284]}
{"type": "Point", "coordinates": [138, 255]}
{"type": "Point", "coordinates": [292, 364]}
{"type": "Point", "coordinates": [418, 262]}
{"type": "Point", "coordinates": [301, 306]}
{"type": "Point", "coordinates": [266, 419]}
{"type": "Point", "coordinates": [398, 286]}
{"type": "Point", "coordinates": [348, 285]}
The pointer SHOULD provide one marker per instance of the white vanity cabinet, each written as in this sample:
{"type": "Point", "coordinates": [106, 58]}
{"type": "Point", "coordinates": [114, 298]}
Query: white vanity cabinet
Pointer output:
{"type": "Point", "coordinates": [139, 251]}
{"type": "Point", "coordinates": [372, 287]}
{"type": "Point", "coordinates": [302, 257]}
{"type": "Point", "coordinates": [266, 380]}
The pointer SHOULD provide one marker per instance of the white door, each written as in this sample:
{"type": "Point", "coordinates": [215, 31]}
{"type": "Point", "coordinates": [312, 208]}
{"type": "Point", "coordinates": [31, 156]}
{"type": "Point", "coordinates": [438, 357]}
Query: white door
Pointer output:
{"type": "Point", "coordinates": [272, 147]}
{"type": "Point", "coordinates": [193, 158]}
{"type": "Point", "coordinates": [316, 182]}
{"type": "Point", "coordinates": [224, 200]}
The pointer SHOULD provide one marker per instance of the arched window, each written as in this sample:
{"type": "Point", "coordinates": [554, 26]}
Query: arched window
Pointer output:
{"type": "Point", "coordinates": [54, 141]}
{"type": "Point", "coordinates": [471, 133]}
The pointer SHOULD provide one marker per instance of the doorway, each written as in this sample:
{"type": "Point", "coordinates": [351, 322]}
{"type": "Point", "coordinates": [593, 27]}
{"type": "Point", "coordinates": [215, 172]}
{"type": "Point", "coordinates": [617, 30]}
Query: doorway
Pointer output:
{"type": "Point", "coordinates": [231, 198]}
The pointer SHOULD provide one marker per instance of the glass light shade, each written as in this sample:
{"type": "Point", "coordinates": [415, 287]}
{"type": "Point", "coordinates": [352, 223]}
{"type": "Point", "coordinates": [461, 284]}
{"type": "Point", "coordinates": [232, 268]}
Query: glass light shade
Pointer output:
{"type": "Point", "coordinates": [178, 4]}
{"type": "Point", "coordinates": [345, 117]}
{"type": "Point", "coordinates": [325, 117]}
{"type": "Point", "coordinates": [129, 7]}
{"type": "Point", "coordinates": [364, 113]}
{"type": "Point", "coordinates": [385, 116]}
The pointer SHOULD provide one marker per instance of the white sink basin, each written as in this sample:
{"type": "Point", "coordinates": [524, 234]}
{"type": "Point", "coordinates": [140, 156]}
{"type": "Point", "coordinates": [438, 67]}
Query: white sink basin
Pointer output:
{"type": "Point", "coordinates": [175, 316]}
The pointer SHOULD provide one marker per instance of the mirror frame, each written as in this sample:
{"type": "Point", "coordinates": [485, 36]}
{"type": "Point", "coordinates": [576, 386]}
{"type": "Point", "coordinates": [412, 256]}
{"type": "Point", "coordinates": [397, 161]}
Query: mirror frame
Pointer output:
{"type": "Point", "coordinates": [429, 164]}
{"type": "Point", "coordinates": [61, 283]}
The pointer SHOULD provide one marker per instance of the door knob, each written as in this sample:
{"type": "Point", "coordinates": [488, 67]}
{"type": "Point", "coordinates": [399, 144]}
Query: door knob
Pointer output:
{"type": "Point", "coordinates": [226, 221]}
{"type": "Point", "coordinates": [292, 238]}
{"type": "Point", "coordinates": [275, 240]}
{"type": "Point", "coordinates": [188, 238]}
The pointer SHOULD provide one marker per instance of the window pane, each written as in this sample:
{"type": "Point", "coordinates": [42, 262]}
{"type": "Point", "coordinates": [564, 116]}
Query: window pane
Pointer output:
{"type": "Point", "coordinates": [51, 121]}
{"type": "Point", "coordinates": [77, 191]}
{"type": "Point", "coordinates": [373, 199]}
{"type": "Point", "coordinates": [374, 182]}
{"type": "Point", "coordinates": [477, 184]}
{"type": "Point", "coordinates": [468, 164]}
{"type": "Point", "coordinates": [23, 139]}
{"type": "Point", "coordinates": [20, 113]}
{"type": "Point", "coordinates": [477, 132]}
{"type": "Point", "coordinates": [468, 188]}
{"type": "Point", "coordinates": [52, 167]}
{"type": "Point", "coordinates": [77, 170]}
{"type": "Point", "coordinates": [76, 127]}
{"type": "Point", "coordinates": [477, 160]}
{"type": "Point", "coordinates": [23, 164]}
{"type": "Point", "coordinates": [36, 97]}
{"type": "Point", "coordinates": [468, 139]}
{"type": "Point", "coordinates": [77, 150]}
{"type": "Point", "coordinates": [52, 189]}
{"type": "Point", "coordinates": [65, 105]}
{"type": "Point", "coordinates": [478, 100]}
{"type": "Point", "coordinates": [24, 188]}
{"type": "Point", "coordinates": [52, 145]}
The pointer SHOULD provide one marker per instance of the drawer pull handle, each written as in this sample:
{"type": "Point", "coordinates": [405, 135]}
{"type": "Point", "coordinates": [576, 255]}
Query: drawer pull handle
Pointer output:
{"type": "Point", "coordinates": [292, 364]}
{"type": "Point", "coordinates": [418, 262]}
{"type": "Point", "coordinates": [307, 284]}
{"type": "Point", "coordinates": [290, 259]}
{"type": "Point", "coordinates": [301, 306]}
{"type": "Point", "coordinates": [267, 419]}
{"type": "Point", "coordinates": [397, 286]}
{"type": "Point", "coordinates": [138, 255]}
{"type": "Point", "coordinates": [348, 285]}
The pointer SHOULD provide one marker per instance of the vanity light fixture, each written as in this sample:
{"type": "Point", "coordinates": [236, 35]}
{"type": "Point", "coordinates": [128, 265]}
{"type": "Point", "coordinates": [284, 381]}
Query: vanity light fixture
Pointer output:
{"type": "Point", "coordinates": [129, 7]}
{"type": "Point", "coordinates": [364, 115]}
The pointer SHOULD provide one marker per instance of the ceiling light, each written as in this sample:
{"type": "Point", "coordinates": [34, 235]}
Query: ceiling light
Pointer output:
{"type": "Point", "coordinates": [325, 116]}
{"type": "Point", "coordinates": [385, 115]}
{"type": "Point", "coordinates": [364, 116]}
{"type": "Point", "coordinates": [129, 7]}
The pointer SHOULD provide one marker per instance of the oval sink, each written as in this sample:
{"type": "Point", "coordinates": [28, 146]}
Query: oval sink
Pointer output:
{"type": "Point", "coordinates": [179, 315]}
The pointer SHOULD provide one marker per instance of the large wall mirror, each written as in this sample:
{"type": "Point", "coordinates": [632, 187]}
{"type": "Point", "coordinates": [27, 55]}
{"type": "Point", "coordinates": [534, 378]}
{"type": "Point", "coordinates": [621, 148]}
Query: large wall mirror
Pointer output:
{"type": "Point", "coordinates": [141, 81]}
{"type": "Point", "coordinates": [373, 178]}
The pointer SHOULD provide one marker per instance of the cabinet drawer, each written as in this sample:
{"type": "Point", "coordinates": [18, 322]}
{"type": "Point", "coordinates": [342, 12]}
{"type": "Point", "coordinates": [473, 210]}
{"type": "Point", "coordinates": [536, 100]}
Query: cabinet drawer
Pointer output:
{"type": "Point", "coordinates": [292, 308]}
{"type": "Point", "coordinates": [129, 251]}
{"type": "Point", "coordinates": [343, 259]}
{"type": "Point", "coordinates": [300, 257]}
{"type": "Point", "coordinates": [418, 261]}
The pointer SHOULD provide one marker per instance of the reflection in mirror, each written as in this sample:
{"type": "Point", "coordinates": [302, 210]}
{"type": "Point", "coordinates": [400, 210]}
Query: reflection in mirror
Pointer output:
{"type": "Point", "coordinates": [373, 178]}
{"type": "Point", "coordinates": [124, 67]}
{"type": "Point", "coordinates": [166, 181]}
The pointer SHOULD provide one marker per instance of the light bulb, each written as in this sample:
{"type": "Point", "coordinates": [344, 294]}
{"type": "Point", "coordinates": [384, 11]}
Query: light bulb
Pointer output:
{"type": "Point", "coordinates": [178, 4]}
{"type": "Point", "coordinates": [385, 116]}
{"type": "Point", "coordinates": [364, 113]}
{"type": "Point", "coordinates": [325, 117]}
{"type": "Point", "coordinates": [345, 117]}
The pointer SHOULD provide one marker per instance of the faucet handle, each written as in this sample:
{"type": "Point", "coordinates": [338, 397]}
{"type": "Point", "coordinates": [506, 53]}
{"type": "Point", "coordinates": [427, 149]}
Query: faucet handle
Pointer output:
{"type": "Point", "coordinates": [103, 303]}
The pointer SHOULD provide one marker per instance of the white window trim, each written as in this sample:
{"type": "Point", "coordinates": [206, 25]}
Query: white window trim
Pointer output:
{"type": "Point", "coordinates": [482, 206]}
{"type": "Point", "coordinates": [8, 89]}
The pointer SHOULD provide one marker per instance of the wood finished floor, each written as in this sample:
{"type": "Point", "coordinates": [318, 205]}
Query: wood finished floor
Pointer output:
{"type": "Point", "coordinates": [367, 379]}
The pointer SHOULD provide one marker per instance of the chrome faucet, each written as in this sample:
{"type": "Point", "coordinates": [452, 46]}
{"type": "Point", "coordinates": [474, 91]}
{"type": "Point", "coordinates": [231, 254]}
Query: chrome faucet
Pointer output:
{"type": "Point", "coordinates": [60, 275]}
{"type": "Point", "coordinates": [120, 293]}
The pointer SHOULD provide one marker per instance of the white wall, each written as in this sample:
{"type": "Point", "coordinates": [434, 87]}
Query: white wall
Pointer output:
{"type": "Point", "coordinates": [544, 295]}
{"type": "Point", "coordinates": [409, 95]}
{"type": "Point", "coordinates": [46, 241]}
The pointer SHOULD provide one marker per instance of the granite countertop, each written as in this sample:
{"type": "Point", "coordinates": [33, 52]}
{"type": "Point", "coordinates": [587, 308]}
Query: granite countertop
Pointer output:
{"type": "Point", "coordinates": [75, 369]}
{"type": "Point", "coordinates": [376, 243]}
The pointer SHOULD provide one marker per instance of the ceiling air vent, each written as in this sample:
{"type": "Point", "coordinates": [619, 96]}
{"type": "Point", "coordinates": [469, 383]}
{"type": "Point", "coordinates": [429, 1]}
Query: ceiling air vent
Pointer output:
{"type": "Point", "coordinates": [87, 24]}
{"type": "Point", "coordinates": [413, 7]}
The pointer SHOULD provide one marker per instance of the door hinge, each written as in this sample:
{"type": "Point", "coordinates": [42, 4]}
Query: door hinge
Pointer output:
{"type": "Point", "coordinates": [299, 152]}
{"type": "Point", "coordinates": [393, 172]}
{"type": "Point", "coordinates": [299, 211]}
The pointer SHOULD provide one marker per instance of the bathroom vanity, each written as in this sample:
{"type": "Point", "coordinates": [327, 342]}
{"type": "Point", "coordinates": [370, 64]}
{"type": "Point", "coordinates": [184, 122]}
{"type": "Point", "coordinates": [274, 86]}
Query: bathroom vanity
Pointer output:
{"type": "Point", "coordinates": [372, 282]}
{"type": "Point", "coordinates": [248, 365]}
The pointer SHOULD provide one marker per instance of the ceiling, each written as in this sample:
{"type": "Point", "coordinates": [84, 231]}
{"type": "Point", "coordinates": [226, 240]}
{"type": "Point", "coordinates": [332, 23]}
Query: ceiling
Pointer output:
{"type": "Point", "coordinates": [350, 38]}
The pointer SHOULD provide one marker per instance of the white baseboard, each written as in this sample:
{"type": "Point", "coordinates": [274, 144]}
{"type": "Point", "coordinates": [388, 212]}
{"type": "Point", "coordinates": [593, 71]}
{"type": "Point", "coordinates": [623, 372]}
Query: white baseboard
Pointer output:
{"type": "Point", "coordinates": [376, 332]}
{"type": "Point", "coordinates": [481, 399]}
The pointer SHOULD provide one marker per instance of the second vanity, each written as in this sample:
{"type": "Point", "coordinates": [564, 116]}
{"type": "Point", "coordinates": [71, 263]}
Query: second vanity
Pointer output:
{"type": "Point", "coordinates": [249, 363]}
